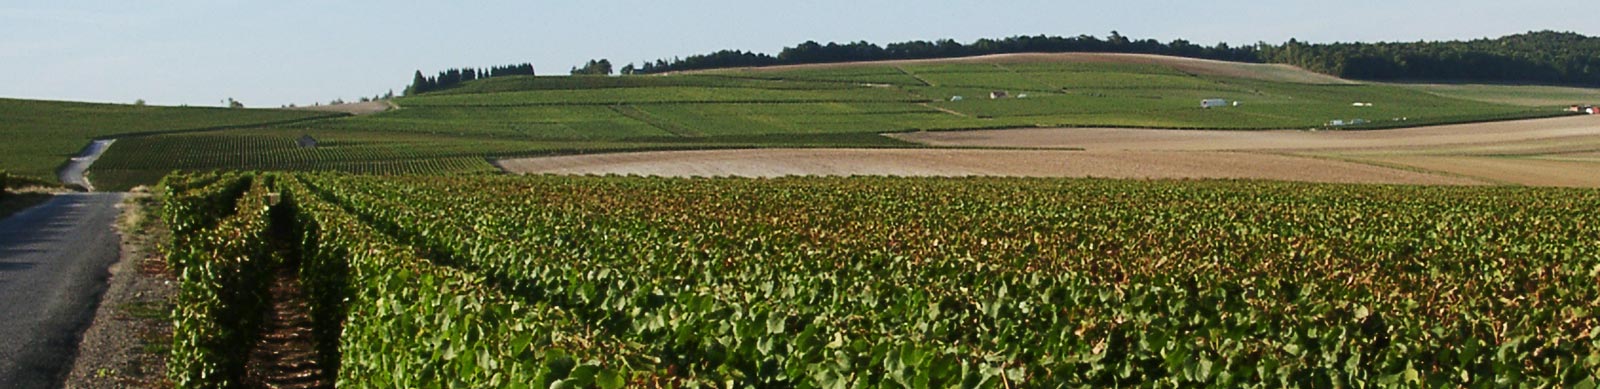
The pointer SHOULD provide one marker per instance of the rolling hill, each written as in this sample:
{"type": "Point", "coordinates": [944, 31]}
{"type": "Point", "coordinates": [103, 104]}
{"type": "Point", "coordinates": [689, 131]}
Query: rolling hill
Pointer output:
{"type": "Point", "coordinates": [41, 135]}
{"type": "Point", "coordinates": [458, 130]}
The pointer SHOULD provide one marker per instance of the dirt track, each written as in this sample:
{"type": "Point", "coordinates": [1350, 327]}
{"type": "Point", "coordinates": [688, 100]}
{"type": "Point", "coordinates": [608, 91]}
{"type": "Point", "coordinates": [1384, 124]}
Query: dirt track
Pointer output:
{"type": "Point", "coordinates": [952, 162]}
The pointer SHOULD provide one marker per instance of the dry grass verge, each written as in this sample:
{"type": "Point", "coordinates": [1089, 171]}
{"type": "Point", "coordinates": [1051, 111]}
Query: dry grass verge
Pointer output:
{"type": "Point", "coordinates": [126, 346]}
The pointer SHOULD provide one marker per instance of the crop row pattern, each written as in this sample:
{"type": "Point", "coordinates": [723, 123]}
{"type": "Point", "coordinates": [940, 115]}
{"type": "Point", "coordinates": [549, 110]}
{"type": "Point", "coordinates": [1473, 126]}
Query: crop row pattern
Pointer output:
{"type": "Point", "coordinates": [886, 282]}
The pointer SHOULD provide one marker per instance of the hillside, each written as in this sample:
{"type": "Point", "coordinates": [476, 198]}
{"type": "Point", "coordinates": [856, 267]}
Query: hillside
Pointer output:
{"type": "Point", "coordinates": [1195, 66]}
{"type": "Point", "coordinates": [460, 129]}
{"type": "Point", "coordinates": [41, 135]}
{"type": "Point", "coordinates": [1540, 57]}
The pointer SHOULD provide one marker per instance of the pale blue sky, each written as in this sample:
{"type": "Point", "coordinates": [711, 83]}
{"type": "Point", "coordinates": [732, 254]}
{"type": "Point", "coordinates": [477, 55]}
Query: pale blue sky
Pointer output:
{"type": "Point", "coordinates": [294, 51]}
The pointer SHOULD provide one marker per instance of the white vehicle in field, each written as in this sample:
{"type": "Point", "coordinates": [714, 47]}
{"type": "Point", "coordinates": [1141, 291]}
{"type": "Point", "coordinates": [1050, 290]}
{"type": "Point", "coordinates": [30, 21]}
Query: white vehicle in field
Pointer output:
{"type": "Point", "coordinates": [1213, 103]}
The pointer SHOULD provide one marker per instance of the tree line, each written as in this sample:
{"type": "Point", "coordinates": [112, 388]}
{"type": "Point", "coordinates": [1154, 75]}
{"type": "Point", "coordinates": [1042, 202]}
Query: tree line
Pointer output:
{"type": "Point", "coordinates": [600, 67]}
{"type": "Point", "coordinates": [1546, 57]}
{"type": "Point", "coordinates": [1542, 57]}
{"type": "Point", "coordinates": [452, 77]}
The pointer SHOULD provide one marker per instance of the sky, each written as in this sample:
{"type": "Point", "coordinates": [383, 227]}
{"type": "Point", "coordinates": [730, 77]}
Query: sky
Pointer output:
{"type": "Point", "coordinates": [272, 53]}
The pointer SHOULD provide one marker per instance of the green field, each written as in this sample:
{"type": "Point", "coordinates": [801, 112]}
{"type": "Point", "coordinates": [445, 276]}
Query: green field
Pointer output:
{"type": "Point", "coordinates": [607, 282]}
{"type": "Point", "coordinates": [41, 135]}
{"type": "Point", "coordinates": [843, 105]}
{"type": "Point", "coordinates": [1525, 95]}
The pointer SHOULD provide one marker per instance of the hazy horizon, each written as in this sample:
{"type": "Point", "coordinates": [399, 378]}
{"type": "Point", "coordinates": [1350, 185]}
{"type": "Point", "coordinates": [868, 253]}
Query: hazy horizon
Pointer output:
{"type": "Point", "coordinates": [300, 52]}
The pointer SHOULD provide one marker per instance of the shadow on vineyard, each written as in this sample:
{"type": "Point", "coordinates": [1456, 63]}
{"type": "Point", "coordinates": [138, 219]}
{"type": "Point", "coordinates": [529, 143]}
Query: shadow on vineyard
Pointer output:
{"type": "Point", "coordinates": [244, 318]}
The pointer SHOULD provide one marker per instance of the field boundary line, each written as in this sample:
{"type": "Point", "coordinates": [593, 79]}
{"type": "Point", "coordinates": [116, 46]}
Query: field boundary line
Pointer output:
{"type": "Point", "coordinates": [222, 128]}
{"type": "Point", "coordinates": [652, 120]}
{"type": "Point", "coordinates": [945, 110]}
{"type": "Point", "coordinates": [1396, 166]}
{"type": "Point", "coordinates": [914, 75]}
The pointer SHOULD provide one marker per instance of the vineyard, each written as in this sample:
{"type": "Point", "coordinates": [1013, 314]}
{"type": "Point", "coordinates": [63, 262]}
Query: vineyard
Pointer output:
{"type": "Point", "coordinates": [458, 130]}
{"type": "Point", "coordinates": [556, 281]}
{"type": "Point", "coordinates": [41, 135]}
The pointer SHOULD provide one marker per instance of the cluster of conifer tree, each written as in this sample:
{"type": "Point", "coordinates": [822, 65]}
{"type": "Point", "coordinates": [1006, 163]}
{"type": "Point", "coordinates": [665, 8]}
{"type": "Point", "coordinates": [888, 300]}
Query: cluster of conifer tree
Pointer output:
{"type": "Point", "coordinates": [1543, 57]}
{"type": "Point", "coordinates": [450, 78]}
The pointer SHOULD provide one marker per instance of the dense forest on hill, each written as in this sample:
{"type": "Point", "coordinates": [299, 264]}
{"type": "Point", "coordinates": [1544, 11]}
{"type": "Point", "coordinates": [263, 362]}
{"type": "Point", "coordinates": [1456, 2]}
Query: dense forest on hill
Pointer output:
{"type": "Point", "coordinates": [1540, 57]}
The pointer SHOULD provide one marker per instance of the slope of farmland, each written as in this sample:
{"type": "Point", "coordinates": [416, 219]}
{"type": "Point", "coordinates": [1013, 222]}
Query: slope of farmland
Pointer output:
{"type": "Point", "coordinates": [1526, 95]}
{"type": "Point", "coordinates": [1531, 152]}
{"type": "Point", "coordinates": [608, 282]}
{"type": "Point", "coordinates": [41, 135]}
{"type": "Point", "coordinates": [1203, 67]}
{"type": "Point", "coordinates": [827, 106]}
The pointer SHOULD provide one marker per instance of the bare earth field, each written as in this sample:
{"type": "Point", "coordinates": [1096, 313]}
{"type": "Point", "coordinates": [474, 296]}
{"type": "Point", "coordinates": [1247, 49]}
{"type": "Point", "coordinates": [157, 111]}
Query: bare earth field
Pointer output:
{"type": "Point", "coordinates": [359, 108]}
{"type": "Point", "coordinates": [1542, 152]}
{"type": "Point", "coordinates": [1545, 152]}
{"type": "Point", "coordinates": [1280, 73]}
{"type": "Point", "coordinates": [972, 162]}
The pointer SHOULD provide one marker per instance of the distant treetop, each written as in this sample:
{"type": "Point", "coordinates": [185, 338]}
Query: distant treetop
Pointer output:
{"type": "Point", "coordinates": [1545, 57]}
{"type": "Point", "coordinates": [452, 77]}
{"type": "Point", "coordinates": [1541, 57]}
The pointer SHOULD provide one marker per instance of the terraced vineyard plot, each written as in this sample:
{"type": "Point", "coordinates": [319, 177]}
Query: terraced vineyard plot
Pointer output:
{"type": "Point", "coordinates": [1002, 81]}
{"type": "Point", "coordinates": [583, 122]}
{"type": "Point", "coordinates": [746, 119]}
{"type": "Point", "coordinates": [610, 281]}
{"type": "Point", "coordinates": [880, 75]}
{"type": "Point", "coordinates": [1263, 106]}
{"type": "Point", "coordinates": [368, 148]}
{"type": "Point", "coordinates": [1091, 68]}
{"type": "Point", "coordinates": [1080, 81]}
{"type": "Point", "coordinates": [140, 160]}
{"type": "Point", "coordinates": [672, 94]}
{"type": "Point", "coordinates": [527, 83]}
{"type": "Point", "coordinates": [41, 135]}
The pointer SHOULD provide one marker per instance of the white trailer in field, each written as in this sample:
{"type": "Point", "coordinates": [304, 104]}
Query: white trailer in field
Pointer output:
{"type": "Point", "coordinates": [1213, 103]}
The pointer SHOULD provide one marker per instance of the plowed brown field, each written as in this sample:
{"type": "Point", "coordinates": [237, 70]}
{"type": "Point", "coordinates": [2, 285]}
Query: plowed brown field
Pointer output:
{"type": "Point", "coordinates": [1543, 152]}
{"type": "Point", "coordinates": [1546, 152]}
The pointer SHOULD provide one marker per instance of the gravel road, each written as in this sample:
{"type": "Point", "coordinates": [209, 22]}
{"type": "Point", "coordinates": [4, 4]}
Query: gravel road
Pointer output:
{"type": "Point", "coordinates": [73, 172]}
{"type": "Point", "coordinates": [53, 261]}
